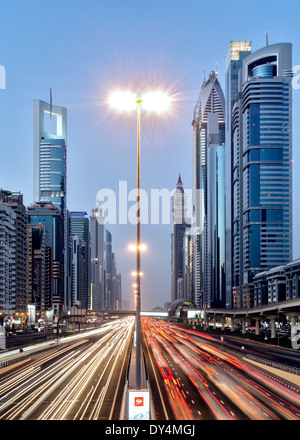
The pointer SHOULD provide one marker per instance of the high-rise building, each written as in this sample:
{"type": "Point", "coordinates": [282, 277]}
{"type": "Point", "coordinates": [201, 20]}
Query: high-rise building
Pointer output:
{"type": "Point", "coordinates": [81, 282]}
{"type": "Point", "coordinates": [51, 217]}
{"type": "Point", "coordinates": [262, 166]}
{"type": "Point", "coordinates": [36, 267]}
{"type": "Point", "coordinates": [237, 51]}
{"type": "Point", "coordinates": [211, 101]}
{"type": "Point", "coordinates": [15, 201]}
{"type": "Point", "coordinates": [50, 167]}
{"type": "Point", "coordinates": [97, 228]}
{"type": "Point", "coordinates": [108, 270]}
{"type": "Point", "coordinates": [215, 280]}
{"type": "Point", "coordinates": [188, 264]}
{"type": "Point", "coordinates": [7, 263]}
{"type": "Point", "coordinates": [50, 152]}
{"type": "Point", "coordinates": [116, 286]}
{"type": "Point", "coordinates": [180, 225]}
{"type": "Point", "coordinates": [68, 262]}
{"type": "Point", "coordinates": [77, 272]}
{"type": "Point", "coordinates": [117, 291]}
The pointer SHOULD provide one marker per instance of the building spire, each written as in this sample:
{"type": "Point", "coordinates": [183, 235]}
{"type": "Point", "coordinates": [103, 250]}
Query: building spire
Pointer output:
{"type": "Point", "coordinates": [267, 39]}
{"type": "Point", "coordinates": [179, 183]}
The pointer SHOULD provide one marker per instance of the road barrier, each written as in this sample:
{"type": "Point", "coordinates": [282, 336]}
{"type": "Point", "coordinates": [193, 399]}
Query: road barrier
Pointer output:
{"type": "Point", "coordinates": [9, 362]}
{"type": "Point", "coordinates": [284, 367]}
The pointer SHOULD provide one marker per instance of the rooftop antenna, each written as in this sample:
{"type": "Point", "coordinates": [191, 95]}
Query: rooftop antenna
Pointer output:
{"type": "Point", "coordinates": [216, 70]}
{"type": "Point", "coordinates": [267, 42]}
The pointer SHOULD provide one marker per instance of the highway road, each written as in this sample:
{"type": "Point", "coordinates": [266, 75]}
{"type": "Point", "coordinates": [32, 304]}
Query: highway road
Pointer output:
{"type": "Point", "coordinates": [197, 378]}
{"type": "Point", "coordinates": [82, 379]}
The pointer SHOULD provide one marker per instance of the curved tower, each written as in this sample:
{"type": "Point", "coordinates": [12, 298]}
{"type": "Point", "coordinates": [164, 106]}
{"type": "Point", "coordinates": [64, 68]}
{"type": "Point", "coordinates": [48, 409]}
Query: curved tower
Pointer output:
{"type": "Point", "coordinates": [209, 129]}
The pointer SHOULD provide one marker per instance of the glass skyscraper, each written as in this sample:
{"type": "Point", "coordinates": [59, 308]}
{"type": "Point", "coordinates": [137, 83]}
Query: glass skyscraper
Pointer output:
{"type": "Point", "coordinates": [210, 105]}
{"type": "Point", "coordinates": [237, 51]}
{"type": "Point", "coordinates": [262, 167]}
{"type": "Point", "coordinates": [50, 169]}
{"type": "Point", "coordinates": [97, 228]}
{"type": "Point", "coordinates": [51, 217]}
{"type": "Point", "coordinates": [215, 285]}
{"type": "Point", "coordinates": [81, 283]}
{"type": "Point", "coordinates": [180, 226]}
{"type": "Point", "coordinates": [50, 144]}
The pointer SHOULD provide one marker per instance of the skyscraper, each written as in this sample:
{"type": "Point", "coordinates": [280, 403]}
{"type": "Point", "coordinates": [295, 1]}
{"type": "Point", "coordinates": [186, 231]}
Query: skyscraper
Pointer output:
{"type": "Point", "coordinates": [215, 283]}
{"type": "Point", "coordinates": [237, 51]}
{"type": "Point", "coordinates": [51, 217]}
{"type": "Point", "coordinates": [97, 227]}
{"type": "Point", "coordinates": [180, 225]}
{"type": "Point", "coordinates": [108, 270]}
{"type": "Point", "coordinates": [50, 166]}
{"type": "Point", "coordinates": [7, 263]}
{"type": "Point", "coordinates": [15, 201]}
{"type": "Point", "coordinates": [50, 145]}
{"type": "Point", "coordinates": [81, 282]}
{"type": "Point", "coordinates": [36, 267]}
{"type": "Point", "coordinates": [210, 102]}
{"type": "Point", "coordinates": [262, 166]}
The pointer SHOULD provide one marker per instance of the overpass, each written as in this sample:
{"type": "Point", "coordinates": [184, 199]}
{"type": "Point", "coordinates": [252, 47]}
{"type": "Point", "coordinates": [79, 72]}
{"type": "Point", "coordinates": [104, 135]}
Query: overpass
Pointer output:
{"type": "Point", "coordinates": [271, 312]}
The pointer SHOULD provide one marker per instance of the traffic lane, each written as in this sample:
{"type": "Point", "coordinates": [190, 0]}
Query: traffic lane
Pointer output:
{"type": "Point", "coordinates": [268, 408]}
{"type": "Point", "coordinates": [271, 352]}
{"type": "Point", "coordinates": [282, 397]}
{"type": "Point", "coordinates": [61, 370]}
{"type": "Point", "coordinates": [161, 409]}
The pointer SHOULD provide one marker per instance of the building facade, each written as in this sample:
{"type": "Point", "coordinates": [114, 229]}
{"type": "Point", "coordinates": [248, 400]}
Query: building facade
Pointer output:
{"type": "Point", "coordinates": [262, 168]}
{"type": "Point", "coordinates": [36, 235]}
{"type": "Point", "coordinates": [50, 154]}
{"type": "Point", "coordinates": [215, 281]}
{"type": "Point", "coordinates": [15, 202]}
{"type": "Point", "coordinates": [97, 229]}
{"type": "Point", "coordinates": [50, 168]}
{"type": "Point", "coordinates": [210, 106]}
{"type": "Point", "coordinates": [279, 284]}
{"type": "Point", "coordinates": [81, 259]}
{"type": "Point", "coordinates": [237, 51]}
{"type": "Point", "coordinates": [7, 263]}
{"type": "Point", "coordinates": [180, 225]}
{"type": "Point", "coordinates": [51, 217]}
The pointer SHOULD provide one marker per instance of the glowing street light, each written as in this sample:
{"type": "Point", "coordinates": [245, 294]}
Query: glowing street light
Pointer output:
{"type": "Point", "coordinates": [127, 101]}
{"type": "Point", "coordinates": [134, 274]}
{"type": "Point", "coordinates": [133, 247]}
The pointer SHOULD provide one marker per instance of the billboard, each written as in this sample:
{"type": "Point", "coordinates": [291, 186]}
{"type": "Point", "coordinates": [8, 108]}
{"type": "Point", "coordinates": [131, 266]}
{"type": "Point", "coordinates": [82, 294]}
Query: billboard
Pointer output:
{"type": "Point", "coordinates": [138, 405]}
{"type": "Point", "coordinates": [195, 314]}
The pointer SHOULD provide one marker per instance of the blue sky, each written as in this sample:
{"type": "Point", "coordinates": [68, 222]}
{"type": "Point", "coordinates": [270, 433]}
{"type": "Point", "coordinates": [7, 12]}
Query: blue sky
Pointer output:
{"type": "Point", "coordinates": [86, 49]}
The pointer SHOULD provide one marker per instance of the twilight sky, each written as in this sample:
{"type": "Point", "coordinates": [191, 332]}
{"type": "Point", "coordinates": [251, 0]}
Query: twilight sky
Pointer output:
{"type": "Point", "coordinates": [86, 49]}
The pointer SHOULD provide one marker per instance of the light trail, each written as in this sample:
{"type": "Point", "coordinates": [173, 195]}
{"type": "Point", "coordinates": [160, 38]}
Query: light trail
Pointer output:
{"type": "Point", "coordinates": [72, 375]}
{"type": "Point", "coordinates": [252, 393]}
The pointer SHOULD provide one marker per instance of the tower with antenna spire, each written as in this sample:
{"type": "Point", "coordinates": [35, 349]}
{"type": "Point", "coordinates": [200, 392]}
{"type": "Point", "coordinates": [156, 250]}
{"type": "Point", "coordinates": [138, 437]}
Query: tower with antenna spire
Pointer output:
{"type": "Point", "coordinates": [180, 225]}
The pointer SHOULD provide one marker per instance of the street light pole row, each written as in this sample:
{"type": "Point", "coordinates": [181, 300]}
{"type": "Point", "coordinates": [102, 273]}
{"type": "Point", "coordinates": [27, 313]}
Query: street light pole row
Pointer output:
{"type": "Point", "coordinates": [158, 102]}
{"type": "Point", "coordinates": [138, 253]}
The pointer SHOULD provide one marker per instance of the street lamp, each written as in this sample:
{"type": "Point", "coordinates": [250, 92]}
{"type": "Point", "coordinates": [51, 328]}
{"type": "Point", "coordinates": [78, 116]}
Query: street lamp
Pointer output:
{"type": "Point", "coordinates": [127, 101]}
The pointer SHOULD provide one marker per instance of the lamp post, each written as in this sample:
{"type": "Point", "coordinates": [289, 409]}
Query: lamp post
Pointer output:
{"type": "Point", "coordinates": [158, 102]}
